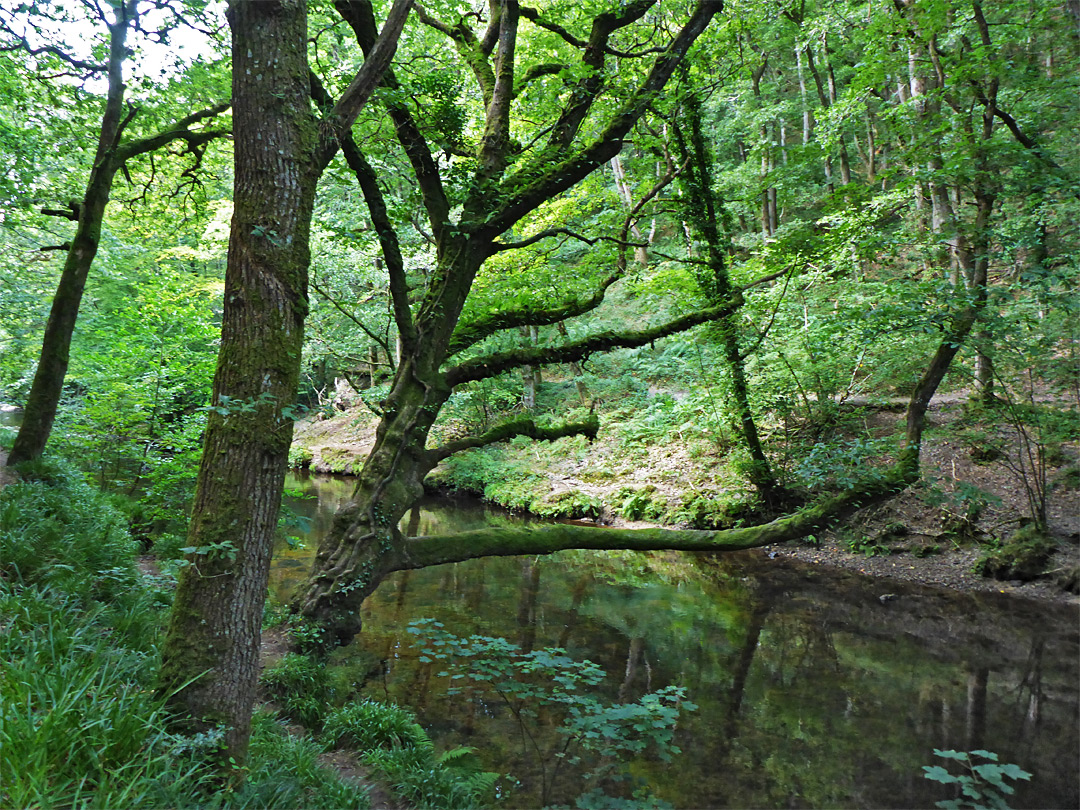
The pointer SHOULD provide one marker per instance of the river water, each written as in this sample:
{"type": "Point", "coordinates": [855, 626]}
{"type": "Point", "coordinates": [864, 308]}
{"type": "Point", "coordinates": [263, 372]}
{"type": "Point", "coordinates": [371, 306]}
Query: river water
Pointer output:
{"type": "Point", "coordinates": [811, 690]}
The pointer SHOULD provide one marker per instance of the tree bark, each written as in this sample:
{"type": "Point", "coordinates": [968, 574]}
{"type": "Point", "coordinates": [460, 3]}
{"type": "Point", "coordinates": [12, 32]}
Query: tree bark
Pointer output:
{"type": "Point", "coordinates": [210, 655]}
{"type": "Point", "coordinates": [214, 630]}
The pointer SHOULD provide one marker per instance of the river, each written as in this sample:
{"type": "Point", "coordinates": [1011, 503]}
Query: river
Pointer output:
{"type": "Point", "coordinates": [811, 689]}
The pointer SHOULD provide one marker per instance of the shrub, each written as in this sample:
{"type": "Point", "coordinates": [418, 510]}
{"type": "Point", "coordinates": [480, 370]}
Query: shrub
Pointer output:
{"type": "Point", "coordinates": [1023, 557]}
{"type": "Point", "coordinates": [302, 687]}
{"type": "Point", "coordinates": [367, 725]}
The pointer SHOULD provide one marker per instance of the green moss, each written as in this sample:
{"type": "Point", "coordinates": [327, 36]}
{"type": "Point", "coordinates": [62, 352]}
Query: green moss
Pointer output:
{"type": "Point", "coordinates": [1023, 557]}
{"type": "Point", "coordinates": [572, 504]}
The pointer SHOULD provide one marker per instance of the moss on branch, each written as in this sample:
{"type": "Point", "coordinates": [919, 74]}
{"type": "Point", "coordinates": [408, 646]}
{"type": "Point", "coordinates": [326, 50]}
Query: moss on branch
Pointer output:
{"type": "Point", "coordinates": [504, 541]}
{"type": "Point", "coordinates": [492, 365]}
{"type": "Point", "coordinates": [518, 427]}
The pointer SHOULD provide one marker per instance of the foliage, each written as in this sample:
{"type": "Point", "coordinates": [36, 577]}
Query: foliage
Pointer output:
{"type": "Point", "coordinates": [388, 738]}
{"type": "Point", "coordinates": [1023, 556]}
{"type": "Point", "coordinates": [57, 533]}
{"type": "Point", "coordinates": [303, 687]}
{"type": "Point", "coordinates": [596, 737]}
{"type": "Point", "coordinates": [983, 787]}
{"type": "Point", "coordinates": [365, 725]}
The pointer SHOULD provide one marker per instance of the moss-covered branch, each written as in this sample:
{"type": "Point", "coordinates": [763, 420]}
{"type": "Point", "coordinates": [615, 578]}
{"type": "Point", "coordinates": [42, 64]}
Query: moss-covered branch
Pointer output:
{"type": "Point", "coordinates": [420, 552]}
{"type": "Point", "coordinates": [524, 426]}
{"type": "Point", "coordinates": [471, 332]}
{"type": "Point", "coordinates": [492, 365]}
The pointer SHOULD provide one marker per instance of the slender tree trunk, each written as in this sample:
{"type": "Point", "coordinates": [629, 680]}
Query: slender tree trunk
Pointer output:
{"type": "Point", "coordinates": [641, 254]}
{"type": "Point", "coordinates": [47, 387]}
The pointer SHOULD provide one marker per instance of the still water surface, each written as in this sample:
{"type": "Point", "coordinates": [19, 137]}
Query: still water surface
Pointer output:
{"type": "Point", "coordinates": [811, 690]}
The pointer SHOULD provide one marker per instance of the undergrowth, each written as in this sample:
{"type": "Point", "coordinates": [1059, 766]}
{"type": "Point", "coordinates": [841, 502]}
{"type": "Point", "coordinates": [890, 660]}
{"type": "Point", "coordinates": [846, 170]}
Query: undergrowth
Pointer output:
{"type": "Point", "coordinates": [81, 724]}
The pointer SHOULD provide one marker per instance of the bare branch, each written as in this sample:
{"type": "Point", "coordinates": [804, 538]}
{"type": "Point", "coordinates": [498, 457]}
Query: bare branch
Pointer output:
{"type": "Point", "coordinates": [380, 217]}
{"type": "Point", "coordinates": [340, 308]}
{"type": "Point", "coordinates": [498, 247]}
{"type": "Point", "coordinates": [377, 60]}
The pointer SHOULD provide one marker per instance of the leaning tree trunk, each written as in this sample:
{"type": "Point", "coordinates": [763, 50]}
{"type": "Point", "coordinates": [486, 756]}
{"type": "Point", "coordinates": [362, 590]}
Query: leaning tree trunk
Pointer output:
{"type": "Point", "coordinates": [47, 387]}
{"type": "Point", "coordinates": [210, 658]}
{"type": "Point", "coordinates": [364, 543]}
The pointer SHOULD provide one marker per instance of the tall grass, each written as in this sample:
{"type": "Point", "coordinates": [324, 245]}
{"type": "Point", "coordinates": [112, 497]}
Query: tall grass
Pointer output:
{"type": "Point", "coordinates": [81, 725]}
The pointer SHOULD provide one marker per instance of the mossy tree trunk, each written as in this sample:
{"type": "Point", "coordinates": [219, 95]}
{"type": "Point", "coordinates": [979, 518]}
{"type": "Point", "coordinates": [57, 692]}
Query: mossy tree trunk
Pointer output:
{"type": "Point", "coordinates": [706, 213]}
{"type": "Point", "coordinates": [210, 656]}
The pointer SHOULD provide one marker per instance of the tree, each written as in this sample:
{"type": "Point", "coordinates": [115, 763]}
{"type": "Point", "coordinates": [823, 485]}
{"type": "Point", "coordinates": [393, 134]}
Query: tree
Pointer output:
{"type": "Point", "coordinates": [441, 340]}
{"type": "Point", "coordinates": [112, 155]}
{"type": "Point", "coordinates": [210, 655]}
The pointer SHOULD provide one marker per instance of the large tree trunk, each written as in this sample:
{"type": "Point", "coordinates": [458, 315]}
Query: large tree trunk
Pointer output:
{"type": "Point", "coordinates": [210, 655]}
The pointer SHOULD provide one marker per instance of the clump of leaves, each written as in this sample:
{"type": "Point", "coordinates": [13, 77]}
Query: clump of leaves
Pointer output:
{"type": "Point", "coordinates": [866, 545]}
{"type": "Point", "coordinates": [983, 786]}
{"type": "Point", "coordinates": [302, 686]}
{"type": "Point", "coordinates": [366, 725]}
{"type": "Point", "coordinates": [388, 738]}
{"type": "Point", "coordinates": [572, 504]}
{"type": "Point", "coordinates": [638, 504]}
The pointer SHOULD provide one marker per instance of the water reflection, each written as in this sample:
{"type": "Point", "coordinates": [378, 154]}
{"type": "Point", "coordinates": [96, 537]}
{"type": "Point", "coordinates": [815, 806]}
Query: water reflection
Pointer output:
{"type": "Point", "coordinates": [812, 691]}
{"type": "Point", "coordinates": [10, 416]}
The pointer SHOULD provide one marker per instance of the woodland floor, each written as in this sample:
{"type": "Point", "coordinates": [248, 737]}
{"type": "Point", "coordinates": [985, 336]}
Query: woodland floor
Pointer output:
{"type": "Point", "coordinates": [927, 551]}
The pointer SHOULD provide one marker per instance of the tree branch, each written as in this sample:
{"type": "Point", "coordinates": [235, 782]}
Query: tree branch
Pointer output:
{"type": "Point", "coordinates": [71, 212]}
{"type": "Point", "coordinates": [498, 247]}
{"type": "Point", "coordinates": [181, 130]}
{"type": "Point", "coordinates": [524, 426]}
{"type": "Point", "coordinates": [380, 218]}
{"type": "Point", "coordinates": [377, 60]}
{"type": "Point", "coordinates": [522, 196]}
{"type": "Point", "coordinates": [363, 327]}
{"type": "Point", "coordinates": [586, 91]}
{"type": "Point", "coordinates": [420, 552]}
{"type": "Point", "coordinates": [468, 334]}
{"type": "Point", "coordinates": [494, 364]}
{"type": "Point", "coordinates": [359, 16]}
{"type": "Point", "coordinates": [495, 142]}
{"type": "Point", "coordinates": [468, 46]}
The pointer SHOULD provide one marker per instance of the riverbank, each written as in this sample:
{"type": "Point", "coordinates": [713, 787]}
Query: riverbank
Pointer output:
{"type": "Point", "coordinates": [968, 504]}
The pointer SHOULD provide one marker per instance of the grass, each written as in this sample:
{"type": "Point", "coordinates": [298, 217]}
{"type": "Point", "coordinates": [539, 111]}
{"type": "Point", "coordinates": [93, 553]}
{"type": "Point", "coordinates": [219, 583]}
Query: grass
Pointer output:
{"type": "Point", "coordinates": [80, 722]}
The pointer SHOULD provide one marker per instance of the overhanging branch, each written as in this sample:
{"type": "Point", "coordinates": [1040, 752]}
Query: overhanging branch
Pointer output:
{"type": "Point", "coordinates": [494, 364]}
{"type": "Point", "coordinates": [524, 426]}
{"type": "Point", "coordinates": [420, 552]}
